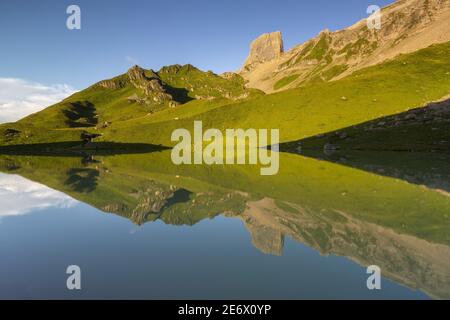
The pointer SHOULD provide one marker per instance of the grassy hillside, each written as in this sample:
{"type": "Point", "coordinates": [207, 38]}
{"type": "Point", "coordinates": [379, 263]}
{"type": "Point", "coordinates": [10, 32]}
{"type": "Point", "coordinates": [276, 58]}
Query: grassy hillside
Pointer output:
{"type": "Point", "coordinates": [421, 129]}
{"type": "Point", "coordinates": [404, 83]}
{"type": "Point", "coordinates": [136, 94]}
{"type": "Point", "coordinates": [176, 96]}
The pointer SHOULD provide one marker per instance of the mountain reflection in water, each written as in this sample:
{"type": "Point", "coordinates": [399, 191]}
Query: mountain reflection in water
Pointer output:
{"type": "Point", "coordinates": [373, 213]}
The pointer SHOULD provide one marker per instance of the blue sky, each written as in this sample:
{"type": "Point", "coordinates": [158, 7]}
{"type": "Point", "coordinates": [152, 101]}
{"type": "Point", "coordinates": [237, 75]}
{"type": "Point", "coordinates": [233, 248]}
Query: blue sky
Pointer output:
{"type": "Point", "coordinates": [36, 46]}
{"type": "Point", "coordinates": [211, 34]}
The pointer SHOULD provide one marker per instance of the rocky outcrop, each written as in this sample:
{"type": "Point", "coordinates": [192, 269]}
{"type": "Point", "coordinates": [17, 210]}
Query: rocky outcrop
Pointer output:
{"type": "Point", "coordinates": [152, 88]}
{"type": "Point", "coordinates": [109, 84]}
{"type": "Point", "coordinates": [229, 75]}
{"type": "Point", "coordinates": [266, 47]}
{"type": "Point", "coordinates": [149, 83]}
{"type": "Point", "coordinates": [151, 201]}
{"type": "Point", "coordinates": [175, 85]}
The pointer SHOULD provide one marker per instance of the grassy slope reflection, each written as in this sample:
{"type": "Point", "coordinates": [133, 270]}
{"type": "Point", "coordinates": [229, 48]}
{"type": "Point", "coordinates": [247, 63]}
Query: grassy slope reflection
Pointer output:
{"type": "Point", "coordinates": [319, 185]}
{"type": "Point", "coordinates": [401, 227]}
{"type": "Point", "coordinates": [133, 196]}
{"type": "Point", "coordinates": [422, 168]}
{"type": "Point", "coordinates": [334, 209]}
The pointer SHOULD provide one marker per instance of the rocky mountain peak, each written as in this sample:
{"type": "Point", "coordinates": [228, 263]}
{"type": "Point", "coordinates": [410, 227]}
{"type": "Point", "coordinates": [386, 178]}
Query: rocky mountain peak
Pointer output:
{"type": "Point", "coordinates": [136, 73]}
{"type": "Point", "coordinates": [406, 26]}
{"type": "Point", "coordinates": [149, 83]}
{"type": "Point", "coordinates": [267, 47]}
{"type": "Point", "coordinates": [172, 69]}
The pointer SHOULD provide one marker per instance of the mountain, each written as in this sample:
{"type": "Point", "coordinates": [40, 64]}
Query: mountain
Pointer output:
{"type": "Point", "coordinates": [135, 94]}
{"type": "Point", "coordinates": [407, 26]}
{"type": "Point", "coordinates": [139, 92]}
{"type": "Point", "coordinates": [406, 82]}
{"type": "Point", "coordinates": [408, 68]}
{"type": "Point", "coordinates": [267, 47]}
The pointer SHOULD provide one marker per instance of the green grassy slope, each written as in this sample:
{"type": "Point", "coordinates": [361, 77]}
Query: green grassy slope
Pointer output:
{"type": "Point", "coordinates": [428, 169]}
{"type": "Point", "coordinates": [393, 87]}
{"type": "Point", "coordinates": [396, 86]}
{"type": "Point", "coordinates": [285, 81]}
{"type": "Point", "coordinates": [422, 129]}
{"type": "Point", "coordinates": [197, 83]}
{"type": "Point", "coordinates": [318, 185]}
{"type": "Point", "coordinates": [136, 94]}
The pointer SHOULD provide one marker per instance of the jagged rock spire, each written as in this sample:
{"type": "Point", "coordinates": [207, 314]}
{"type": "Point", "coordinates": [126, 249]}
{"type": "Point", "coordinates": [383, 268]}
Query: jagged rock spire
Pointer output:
{"type": "Point", "coordinates": [266, 47]}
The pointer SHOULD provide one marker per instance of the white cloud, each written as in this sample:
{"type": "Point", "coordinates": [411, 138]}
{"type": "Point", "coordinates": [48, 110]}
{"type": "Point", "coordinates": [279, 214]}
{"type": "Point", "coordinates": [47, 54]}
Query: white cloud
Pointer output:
{"type": "Point", "coordinates": [19, 98]}
{"type": "Point", "coordinates": [21, 196]}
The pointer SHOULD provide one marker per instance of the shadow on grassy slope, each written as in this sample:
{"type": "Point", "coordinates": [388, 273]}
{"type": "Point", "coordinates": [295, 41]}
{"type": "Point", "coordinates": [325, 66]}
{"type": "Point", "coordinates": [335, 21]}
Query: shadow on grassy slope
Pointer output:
{"type": "Point", "coordinates": [82, 180]}
{"type": "Point", "coordinates": [80, 114]}
{"type": "Point", "coordinates": [421, 168]}
{"type": "Point", "coordinates": [423, 129]}
{"type": "Point", "coordinates": [180, 95]}
{"type": "Point", "coordinates": [71, 148]}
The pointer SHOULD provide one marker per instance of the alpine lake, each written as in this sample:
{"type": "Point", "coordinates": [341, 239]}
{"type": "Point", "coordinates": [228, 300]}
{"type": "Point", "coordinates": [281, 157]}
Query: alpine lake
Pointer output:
{"type": "Point", "coordinates": [140, 227]}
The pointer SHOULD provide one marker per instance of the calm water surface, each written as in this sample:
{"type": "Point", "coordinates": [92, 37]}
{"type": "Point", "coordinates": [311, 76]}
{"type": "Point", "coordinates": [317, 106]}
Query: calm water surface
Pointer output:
{"type": "Point", "coordinates": [139, 227]}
